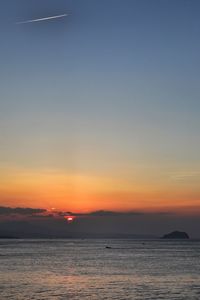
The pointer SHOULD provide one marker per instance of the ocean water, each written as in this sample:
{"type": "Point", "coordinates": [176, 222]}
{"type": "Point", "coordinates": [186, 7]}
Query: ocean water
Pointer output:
{"type": "Point", "coordinates": [86, 269]}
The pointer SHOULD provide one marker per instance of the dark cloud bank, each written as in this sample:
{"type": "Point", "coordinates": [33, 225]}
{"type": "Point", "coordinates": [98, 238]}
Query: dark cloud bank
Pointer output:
{"type": "Point", "coordinates": [39, 223]}
{"type": "Point", "coordinates": [5, 211]}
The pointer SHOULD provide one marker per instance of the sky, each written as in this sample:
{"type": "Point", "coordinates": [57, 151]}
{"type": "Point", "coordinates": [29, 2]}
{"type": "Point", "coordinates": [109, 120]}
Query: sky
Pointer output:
{"type": "Point", "coordinates": [100, 110]}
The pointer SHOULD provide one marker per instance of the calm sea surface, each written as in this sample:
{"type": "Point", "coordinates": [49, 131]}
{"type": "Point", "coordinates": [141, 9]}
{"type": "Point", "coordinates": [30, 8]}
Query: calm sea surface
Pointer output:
{"type": "Point", "coordinates": [85, 269]}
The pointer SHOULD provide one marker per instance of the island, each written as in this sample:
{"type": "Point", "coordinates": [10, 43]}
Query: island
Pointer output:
{"type": "Point", "coordinates": [176, 235]}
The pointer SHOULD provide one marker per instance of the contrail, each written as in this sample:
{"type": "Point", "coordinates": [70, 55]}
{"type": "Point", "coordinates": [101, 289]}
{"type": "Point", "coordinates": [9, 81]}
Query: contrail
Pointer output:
{"type": "Point", "coordinates": [43, 19]}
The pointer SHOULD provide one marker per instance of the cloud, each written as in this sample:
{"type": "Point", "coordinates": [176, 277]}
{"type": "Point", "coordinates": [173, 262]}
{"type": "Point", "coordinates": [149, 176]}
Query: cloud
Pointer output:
{"type": "Point", "coordinates": [8, 211]}
{"type": "Point", "coordinates": [21, 213]}
{"type": "Point", "coordinates": [99, 213]}
{"type": "Point", "coordinates": [108, 213]}
{"type": "Point", "coordinates": [185, 176]}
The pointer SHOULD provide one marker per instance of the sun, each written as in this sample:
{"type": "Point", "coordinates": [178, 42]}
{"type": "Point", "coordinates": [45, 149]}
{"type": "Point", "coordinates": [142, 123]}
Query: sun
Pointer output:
{"type": "Point", "coordinates": [69, 219]}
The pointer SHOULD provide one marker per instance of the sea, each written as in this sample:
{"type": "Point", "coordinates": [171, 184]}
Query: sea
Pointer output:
{"type": "Point", "coordinates": [99, 269]}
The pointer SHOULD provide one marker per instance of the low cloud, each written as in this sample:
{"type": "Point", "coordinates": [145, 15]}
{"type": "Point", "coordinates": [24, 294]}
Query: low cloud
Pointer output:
{"type": "Point", "coordinates": [21, 213]}
{"type": "Point", "coordinates": [109, 213]}
{"type": "Point", "coordinates": [100, 213]}
{"type": "Point", "coordinates": [9, 211]}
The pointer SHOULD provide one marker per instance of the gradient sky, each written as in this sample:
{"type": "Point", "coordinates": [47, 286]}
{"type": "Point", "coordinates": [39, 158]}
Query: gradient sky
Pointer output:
{"type": "Point", "coordinates": [100, 110]}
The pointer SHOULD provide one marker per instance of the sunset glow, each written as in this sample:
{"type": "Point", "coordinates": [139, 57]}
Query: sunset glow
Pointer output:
{"type": "Point", "coordinates": [81, 193]}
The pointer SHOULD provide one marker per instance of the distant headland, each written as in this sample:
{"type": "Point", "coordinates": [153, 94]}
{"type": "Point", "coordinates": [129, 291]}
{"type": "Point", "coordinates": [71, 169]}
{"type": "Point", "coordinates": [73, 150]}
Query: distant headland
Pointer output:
{"type": "Point", "coordinates": [8, 237]}
{"type": "Point", "coordinates": [176, 235]}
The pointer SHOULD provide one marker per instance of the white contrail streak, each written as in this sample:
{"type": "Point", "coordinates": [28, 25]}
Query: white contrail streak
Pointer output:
{"type": "Point", "coordinates": [43, 19]}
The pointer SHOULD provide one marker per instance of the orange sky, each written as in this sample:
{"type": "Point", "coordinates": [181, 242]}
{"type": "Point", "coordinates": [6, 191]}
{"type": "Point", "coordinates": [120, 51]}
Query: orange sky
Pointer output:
{"type": "Point", "coordinates": [84, 193]}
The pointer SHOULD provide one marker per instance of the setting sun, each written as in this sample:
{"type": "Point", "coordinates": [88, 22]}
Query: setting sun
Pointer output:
{"type": "Point", "coordinates": [69, 219]}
